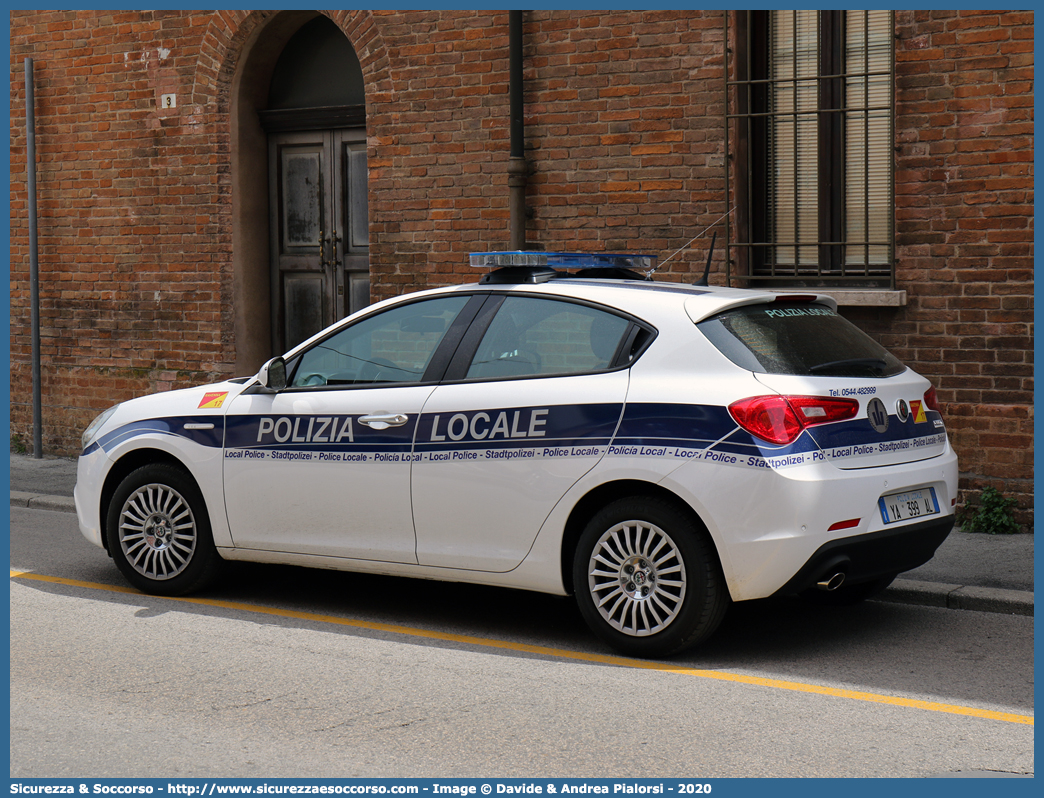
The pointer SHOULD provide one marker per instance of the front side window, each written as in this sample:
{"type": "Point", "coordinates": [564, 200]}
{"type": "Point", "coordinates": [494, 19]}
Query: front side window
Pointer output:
{"type": "Point", "coordinates": [810, 114]}
{"type": "Point", "coordinates": [394, 346]}
{"type": "Point", "coordinates": [530, 336]}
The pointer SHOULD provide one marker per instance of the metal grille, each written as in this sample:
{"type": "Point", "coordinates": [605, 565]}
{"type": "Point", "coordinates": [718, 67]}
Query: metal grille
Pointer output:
{"type": "Point", "coordinates": [809, 146]}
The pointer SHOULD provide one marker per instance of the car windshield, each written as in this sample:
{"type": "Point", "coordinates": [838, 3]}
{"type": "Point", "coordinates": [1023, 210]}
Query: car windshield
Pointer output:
{"type": "Point", "coordinates": [803, 339]}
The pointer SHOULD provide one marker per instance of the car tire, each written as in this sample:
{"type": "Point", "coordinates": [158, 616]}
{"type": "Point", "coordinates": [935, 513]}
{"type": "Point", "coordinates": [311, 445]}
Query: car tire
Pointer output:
{"type": "Point", "coordinates": [647, 578]}
{"type": "Point", "coordinates": [158, 532]}
{"type": "Point", "coordinates": [847, 595]}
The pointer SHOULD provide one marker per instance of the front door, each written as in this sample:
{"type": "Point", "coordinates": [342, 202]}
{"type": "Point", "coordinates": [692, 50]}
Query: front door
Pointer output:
{"type": "Point", "coordinates": [319, 231]}
{"type": "Point", "coordinates": [323, 467]}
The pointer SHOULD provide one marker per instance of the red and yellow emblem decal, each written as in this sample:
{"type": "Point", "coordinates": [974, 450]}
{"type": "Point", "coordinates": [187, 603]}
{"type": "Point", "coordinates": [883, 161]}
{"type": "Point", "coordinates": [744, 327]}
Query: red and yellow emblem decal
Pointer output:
{"type": "Point", "coordinates": [917, 410]}
{"type": "Point", "coordinates": [212, 401]}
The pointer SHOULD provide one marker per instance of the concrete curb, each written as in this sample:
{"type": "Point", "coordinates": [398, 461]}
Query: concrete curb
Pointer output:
{"type": "Point", "coordinates": [36, 501]}
{"type": "Point", "coordinates": [960, 597]}
{"type": "Point", "coordinates": [901, 591]}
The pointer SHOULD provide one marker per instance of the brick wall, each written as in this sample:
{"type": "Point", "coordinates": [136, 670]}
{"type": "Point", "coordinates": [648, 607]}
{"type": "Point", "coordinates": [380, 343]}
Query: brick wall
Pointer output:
{"type": "Point", "coordinates": [133, 296]}
{"type": "Point", "coordinates": [623, 135]}
{"type": "Point", "coordinates": [438, 147]}
{"type": "Point", "coordinates": [964, 233]}
{"type": "Point", "coordinates": [624, 126]}
{"type": "Point", "coordinates": [625, 115]}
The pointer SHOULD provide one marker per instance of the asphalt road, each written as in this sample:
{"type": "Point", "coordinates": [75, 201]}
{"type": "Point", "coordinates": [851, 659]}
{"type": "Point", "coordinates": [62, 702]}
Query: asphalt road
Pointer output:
{"type": "Point", "coordinates": [289, 672]}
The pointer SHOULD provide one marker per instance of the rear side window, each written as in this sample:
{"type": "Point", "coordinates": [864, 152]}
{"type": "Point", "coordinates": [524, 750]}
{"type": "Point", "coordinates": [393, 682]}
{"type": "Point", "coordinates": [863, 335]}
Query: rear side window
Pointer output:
{"type": "Point", "coordinates": [801, 339]}
{"type": "Point", "coordinates": [531, 337]}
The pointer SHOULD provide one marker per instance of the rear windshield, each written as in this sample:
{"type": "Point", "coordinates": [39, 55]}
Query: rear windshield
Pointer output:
{"type": "Point", "coordinates": [801, 339]}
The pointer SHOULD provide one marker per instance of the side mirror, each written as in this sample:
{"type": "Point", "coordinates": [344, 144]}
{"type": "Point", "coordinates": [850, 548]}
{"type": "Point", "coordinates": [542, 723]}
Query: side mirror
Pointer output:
{"type": "Point", "coordinates": [273, 374]}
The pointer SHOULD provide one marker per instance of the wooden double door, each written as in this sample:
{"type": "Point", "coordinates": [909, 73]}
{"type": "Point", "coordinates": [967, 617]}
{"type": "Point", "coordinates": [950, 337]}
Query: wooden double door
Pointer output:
{"type": "Point", "coordinates": [319, 231]}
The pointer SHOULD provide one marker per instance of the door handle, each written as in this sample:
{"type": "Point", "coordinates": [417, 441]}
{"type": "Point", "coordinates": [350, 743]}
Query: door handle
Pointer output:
{"type": "Point", "coordinates": [384, 420]}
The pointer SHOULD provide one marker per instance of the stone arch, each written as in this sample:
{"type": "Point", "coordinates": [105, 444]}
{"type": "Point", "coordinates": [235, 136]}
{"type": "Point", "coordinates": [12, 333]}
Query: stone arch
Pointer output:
{"type": "Point", "coordinates": [234, 68]}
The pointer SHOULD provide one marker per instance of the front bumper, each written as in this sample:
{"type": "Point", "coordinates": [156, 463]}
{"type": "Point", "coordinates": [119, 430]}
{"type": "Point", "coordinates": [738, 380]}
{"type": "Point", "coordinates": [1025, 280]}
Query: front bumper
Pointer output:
{"type": "Point", "coordinates": [90, 478]}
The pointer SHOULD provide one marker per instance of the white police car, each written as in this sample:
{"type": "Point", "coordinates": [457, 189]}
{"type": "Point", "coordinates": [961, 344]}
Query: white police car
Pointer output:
{"type": "Point", "coordinates": [657, 449]}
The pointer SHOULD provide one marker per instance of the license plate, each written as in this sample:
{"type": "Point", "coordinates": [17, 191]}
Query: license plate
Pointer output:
{"type": "Point", "coordinates": [906, 506]}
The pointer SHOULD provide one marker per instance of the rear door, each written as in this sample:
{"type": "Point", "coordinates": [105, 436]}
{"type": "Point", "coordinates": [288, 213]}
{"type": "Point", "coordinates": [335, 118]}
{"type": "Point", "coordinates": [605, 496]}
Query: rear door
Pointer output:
{"type": "Point", "coordinates": [531, 405]}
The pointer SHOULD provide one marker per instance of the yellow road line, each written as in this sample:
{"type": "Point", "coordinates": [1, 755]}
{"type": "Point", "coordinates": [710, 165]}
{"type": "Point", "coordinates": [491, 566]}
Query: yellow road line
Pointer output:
{"type": "Point", "coordinates": [760, 681]}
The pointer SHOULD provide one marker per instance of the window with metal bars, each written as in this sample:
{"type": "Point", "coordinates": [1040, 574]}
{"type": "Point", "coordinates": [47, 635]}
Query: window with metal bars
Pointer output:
{"type": "Point", "coordinates": [810, 145]}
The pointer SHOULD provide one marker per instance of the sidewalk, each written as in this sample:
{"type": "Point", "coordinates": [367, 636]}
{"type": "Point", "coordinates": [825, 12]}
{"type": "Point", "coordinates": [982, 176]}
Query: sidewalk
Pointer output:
{"type": "Point", "coordinates": [989, 573]}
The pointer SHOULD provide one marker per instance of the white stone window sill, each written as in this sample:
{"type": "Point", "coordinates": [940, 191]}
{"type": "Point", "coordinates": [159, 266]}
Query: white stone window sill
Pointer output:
{"type": "Point", "coordinates": [855, 297]}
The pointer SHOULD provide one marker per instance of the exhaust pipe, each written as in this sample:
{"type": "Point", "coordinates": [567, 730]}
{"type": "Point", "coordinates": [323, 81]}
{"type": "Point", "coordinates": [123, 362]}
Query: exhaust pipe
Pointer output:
{"type": "Point", "coordinates": [833, 583]}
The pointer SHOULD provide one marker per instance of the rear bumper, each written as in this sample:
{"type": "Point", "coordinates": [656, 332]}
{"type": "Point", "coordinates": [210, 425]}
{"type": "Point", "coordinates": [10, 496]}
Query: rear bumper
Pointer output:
{"type": "Point", "coordinates": [863, 558]}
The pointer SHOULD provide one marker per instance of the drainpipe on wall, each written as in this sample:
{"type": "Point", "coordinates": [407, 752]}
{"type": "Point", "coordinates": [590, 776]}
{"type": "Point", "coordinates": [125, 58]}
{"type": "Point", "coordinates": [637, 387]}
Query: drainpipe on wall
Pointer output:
{"type": "Point", "coordinates": [34, 261]}
{"type": "Point", "coordinates": [517, 167]}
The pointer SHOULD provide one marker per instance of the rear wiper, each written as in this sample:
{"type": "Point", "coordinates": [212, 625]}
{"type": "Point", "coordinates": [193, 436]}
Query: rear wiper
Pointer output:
{"type": "Point", "coordinates": [872, 364]}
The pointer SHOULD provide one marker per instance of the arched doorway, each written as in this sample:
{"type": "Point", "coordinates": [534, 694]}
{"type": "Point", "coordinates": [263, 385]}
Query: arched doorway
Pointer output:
{"type": "Point", "coordinates": [297, 113]}
{"type": "Point", "coordinates": [318, 229]}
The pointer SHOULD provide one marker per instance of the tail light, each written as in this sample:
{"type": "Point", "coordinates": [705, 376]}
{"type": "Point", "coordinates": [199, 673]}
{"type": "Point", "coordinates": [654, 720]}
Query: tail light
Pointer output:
{"type": "Point", "coordinates": [782, 419]}
{"type": "Point", "coordinates": [931, 401]}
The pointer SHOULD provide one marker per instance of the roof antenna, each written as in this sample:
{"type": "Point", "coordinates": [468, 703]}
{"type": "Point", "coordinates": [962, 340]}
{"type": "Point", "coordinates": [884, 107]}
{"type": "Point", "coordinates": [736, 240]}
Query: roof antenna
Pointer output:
{"type": "Point", "coordinates": [686, 245]}
{"type": "Point", "coordinates": [706, 269]}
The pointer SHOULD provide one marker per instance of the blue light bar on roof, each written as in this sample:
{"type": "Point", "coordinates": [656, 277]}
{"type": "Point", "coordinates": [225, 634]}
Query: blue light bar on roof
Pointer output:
{"type": "Point", "coordinates": [563, 260]}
